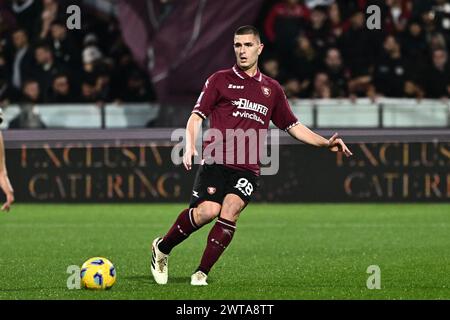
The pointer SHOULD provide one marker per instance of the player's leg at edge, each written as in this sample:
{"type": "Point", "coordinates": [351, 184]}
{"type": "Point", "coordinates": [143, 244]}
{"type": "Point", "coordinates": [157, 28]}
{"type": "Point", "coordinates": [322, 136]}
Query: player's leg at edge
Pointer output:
{"type": "Point", "coordinates": [219, 237]}
{"type": "Point", "coordinates": [189, 221]}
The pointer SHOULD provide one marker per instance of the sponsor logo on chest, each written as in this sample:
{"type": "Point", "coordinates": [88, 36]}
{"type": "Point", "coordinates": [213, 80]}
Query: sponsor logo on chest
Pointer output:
{"type": "Point", "coordinates": [251, 106]}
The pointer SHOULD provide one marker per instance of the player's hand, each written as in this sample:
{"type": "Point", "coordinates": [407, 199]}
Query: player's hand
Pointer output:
{"type": "Point", "coordinates": [9, 201]}
{"type": "Point", "coordinates": [336, 144]}
{"type": "Point", "coordinates": [5, 185]}
{"type": "Point", "coordinates": [187, 158]}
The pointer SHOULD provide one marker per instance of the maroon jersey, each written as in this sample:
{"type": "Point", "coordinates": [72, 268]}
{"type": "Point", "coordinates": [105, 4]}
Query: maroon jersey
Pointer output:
{"type": "Point", "coordinates": [234, 100]}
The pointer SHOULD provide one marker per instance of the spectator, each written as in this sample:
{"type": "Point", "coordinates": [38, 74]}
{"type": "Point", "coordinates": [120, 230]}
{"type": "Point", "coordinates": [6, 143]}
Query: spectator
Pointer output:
{"type": "Point", "coordinates": [22, 61]}
{"type": "Point", "coordinates": [420, 7]}
{"type": "Point", "coordinates": [49, 14]}
{"type": "Point", "coordinates": [398, 14]}
{"type": "Point", "coordinates": [285, 15]}
{"type": "Point", "coordinates": [29, 117]}
{"type": "Point", "coordinates": [88, 91]}
{"type": "Point", "coordinates": [293, 88]}
{"type": "Point", "coordinates": [291, 85]}
{"type": "Point", "coordinates": [319, 31]}
{"type": "Point", "coordinates": [64, 47]}
{"type": "Point", "coordinates": [8, 22]}
{"type": "Point", "coordinates": [337, 24]}
{"type": "Point", "coordinates": [31, 92]}
{"type": "Point", "coordinates": [122, 69]}
{"type": "Point", "coordinates": [414, 43]}
{"type": "Point", "coordinates": [91, 58]}
{"type": "Point", "coordinates": [5, 94]}
{"type": "Point", "coordinates": [103, 87]}
{"type": "Point", "coordinates": [102, 61]}
{"type": "Point", "coordinates": [47, 68]}
{"type": "Point", "coordinates": [284, 21]}
{"type": "Point", "coordinates": [138, 89]}
{"type": "Point", "coordinates": [442, 17]}
{"type": "Point", "coordinates": [355, 45]}
{"type": "Point", "coordinates": [348, 7]}
{"type": "Point", "coordinates": [437, 41]}
{"type": "Point", "coordinates": [90, 39]}
{"type": "Point", "coordinates": [5, 89]}
{"type": "Point", "coordinates": [360, 86]}
{"type": "Point", "coordinates": [97, 83]}
{"type": "Point", "coordinates": [337, 74]}
{"type": "Point", "coordinates": [391, 72]}
{"type": "Point", "coordinates": [309, 38]}
{"type": "Point", "coordinates": [321, 87]}
{"type": "Point", "coordinates": [303, 63]}
{"type": "Point", "coordinates": [412, 90]}
{"type": "Point", "coordinates": [429, 23]}
{"type": "Point", "coordinates": [437, 76]}
{"type": "Point", "coordinates": [26, 13]}
{"type": "Point", "coordinates": [271, 67]}
{"type": "Point", "coordinates": [61, 90]}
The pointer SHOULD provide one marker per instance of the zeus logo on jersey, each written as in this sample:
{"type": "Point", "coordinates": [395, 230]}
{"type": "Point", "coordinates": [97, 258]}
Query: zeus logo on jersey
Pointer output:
{"type": "Point", "coordinates": [252, 106]}
{"type": "Point", "coordinates": [233, 86]}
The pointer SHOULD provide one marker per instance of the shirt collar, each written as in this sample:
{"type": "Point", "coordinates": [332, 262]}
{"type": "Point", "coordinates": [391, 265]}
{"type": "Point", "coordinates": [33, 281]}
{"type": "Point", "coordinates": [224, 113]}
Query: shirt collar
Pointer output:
{"type": "Point", "coordinates": [241, 74]}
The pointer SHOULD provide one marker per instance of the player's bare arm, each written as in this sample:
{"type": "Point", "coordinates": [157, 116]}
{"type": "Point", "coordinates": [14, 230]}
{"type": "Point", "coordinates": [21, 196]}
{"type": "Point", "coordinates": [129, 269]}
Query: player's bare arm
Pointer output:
{"type": "Point", "coordinates": [5, 184]}
{"type": "Point", "coordinates": [192, 129]}
{"type": "Point", "coordinates": [304, 134]}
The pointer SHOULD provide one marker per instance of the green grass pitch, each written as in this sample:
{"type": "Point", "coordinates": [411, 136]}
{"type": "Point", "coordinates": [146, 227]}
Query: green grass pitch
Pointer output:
{"type": "Point", "coordinates": [298, 251]}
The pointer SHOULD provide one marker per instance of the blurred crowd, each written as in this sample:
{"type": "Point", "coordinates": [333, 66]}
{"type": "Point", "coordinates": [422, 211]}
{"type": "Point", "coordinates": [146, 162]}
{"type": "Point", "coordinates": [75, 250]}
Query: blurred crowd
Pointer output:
{"type": "Point", "coordinates": [41, 61]}
{"type": "Point", "coordinates": [324, 49]}
{"type": "Point", "coordinates": [314, 48]}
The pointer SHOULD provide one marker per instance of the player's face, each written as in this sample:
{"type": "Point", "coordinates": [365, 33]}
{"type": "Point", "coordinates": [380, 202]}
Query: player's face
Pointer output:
{"type": "Point", "coordinates": [247, 48]}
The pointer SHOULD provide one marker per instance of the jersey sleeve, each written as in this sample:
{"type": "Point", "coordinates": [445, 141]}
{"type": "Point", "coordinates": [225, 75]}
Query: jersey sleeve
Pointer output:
{"type": "Point", "coordinates": [282, 115]}
{"type": "Point", "coordinates": [208, 98]}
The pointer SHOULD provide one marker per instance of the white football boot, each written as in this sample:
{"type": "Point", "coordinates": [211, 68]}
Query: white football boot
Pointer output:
{"type": "Point", "coordinates": [159, 263]}
{"type": "Point", "coordinates": [199, 279]}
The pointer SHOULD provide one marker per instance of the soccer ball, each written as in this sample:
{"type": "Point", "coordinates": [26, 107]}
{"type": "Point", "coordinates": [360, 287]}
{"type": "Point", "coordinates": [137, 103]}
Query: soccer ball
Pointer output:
{"type": "Point", "coordinates": [98, 273]}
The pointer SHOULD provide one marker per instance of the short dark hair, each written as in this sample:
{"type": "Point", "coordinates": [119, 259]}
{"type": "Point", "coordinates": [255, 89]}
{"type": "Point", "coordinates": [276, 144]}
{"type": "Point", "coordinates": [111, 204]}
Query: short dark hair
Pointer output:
{"type": "Point", "coordinates": [247, 30]}
{"type": "Point", "coordinates": [60, 74]}
{"type": "Point", "coordinates": [19, 29]}
{"type": "Point", "coordinates": [28, 81]}
{"type": "Point", "coordinates": [58, 22]}
{"type": "Point", "coordinates": [43, 45]}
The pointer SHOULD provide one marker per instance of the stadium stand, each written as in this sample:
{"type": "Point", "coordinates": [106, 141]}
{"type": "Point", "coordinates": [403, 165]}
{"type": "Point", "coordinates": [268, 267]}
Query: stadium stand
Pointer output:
{"type": "Point", "coordinates": [316, 49]}
{"type": "Point", "coordinates": [323, 49]}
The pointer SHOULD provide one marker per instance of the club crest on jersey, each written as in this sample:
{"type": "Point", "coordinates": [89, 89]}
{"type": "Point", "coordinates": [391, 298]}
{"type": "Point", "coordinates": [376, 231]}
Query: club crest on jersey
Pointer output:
{"type": "Point", "coordinates": [211, 190]}
{"type": "Point", "coordinates": [266, 91]}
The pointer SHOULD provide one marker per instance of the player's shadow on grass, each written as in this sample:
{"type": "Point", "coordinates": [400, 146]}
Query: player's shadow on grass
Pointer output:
{"type": "Point", "coordinates": [147, 279]}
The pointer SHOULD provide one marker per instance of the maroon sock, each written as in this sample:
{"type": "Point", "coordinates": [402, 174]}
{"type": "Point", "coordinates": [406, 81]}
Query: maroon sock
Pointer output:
{"type": "Point", "coordinates": [218, 239]}
{"type": "Point", "coordinates": [180, 231]}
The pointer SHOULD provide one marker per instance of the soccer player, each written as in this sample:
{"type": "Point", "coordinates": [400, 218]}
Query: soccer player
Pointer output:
{"type": "Point", "coordinates": [5, 185]}
{"type": "Point", "coordinates": [237, 98]}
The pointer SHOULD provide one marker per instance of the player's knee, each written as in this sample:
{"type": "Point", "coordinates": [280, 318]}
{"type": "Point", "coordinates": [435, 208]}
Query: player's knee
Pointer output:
{"type": "Point", "coordinates": [232, 208]}
{"type": "Point", "coordinates": [206, 212]}
{"type": "Point", "coordinates": [231, 212]}
{"type": "Point", "coordinates": [230, 215]}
